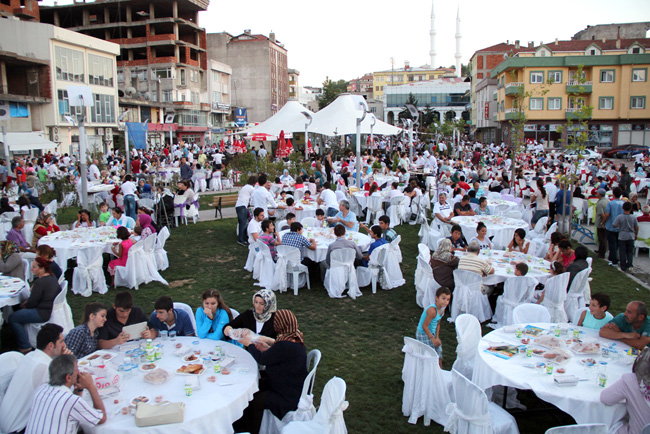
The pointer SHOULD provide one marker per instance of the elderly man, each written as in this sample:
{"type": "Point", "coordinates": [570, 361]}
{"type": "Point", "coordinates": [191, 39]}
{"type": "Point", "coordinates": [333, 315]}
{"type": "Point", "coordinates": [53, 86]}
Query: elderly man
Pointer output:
{"type": "Point", "coordinates": [442, 210]}
{"type": "Point", "coordinates": [93, 171]}
{"type": "Point", "coordinates": [645, 209]}
{"type": "Point", "coordinates": [631, 327]}
{"type": "Point", "coordinates": [346, 217]}
{"type": "Point", "coordinates": [15, 234]}
{"type": "Point", "coordinates": [57, 409]}
{"type": "Point", "coordinates": [471, 261]}
{"type": "Point", "coordinates": [31, 373]}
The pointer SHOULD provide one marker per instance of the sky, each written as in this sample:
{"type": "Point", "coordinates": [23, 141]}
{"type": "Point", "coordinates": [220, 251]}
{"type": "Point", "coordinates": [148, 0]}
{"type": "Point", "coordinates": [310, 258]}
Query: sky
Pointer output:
{"type": "Point", "coordinates": [344, 39]}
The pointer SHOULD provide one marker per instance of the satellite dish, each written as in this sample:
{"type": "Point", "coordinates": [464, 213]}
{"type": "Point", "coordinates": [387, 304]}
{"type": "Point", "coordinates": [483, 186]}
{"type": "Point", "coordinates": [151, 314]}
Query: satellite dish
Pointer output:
{"type": "Point", "coordinates": [130, 91]}
{"type": "Point", "coordinates": [147, 96]}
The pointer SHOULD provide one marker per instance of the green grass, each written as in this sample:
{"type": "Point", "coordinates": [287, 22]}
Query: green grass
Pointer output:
{"type": "Point", "coordinates": [361, 340]}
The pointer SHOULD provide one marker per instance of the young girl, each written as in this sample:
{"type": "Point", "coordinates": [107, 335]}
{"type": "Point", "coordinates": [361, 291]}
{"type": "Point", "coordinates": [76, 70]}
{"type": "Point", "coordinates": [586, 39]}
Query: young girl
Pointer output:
{"type": "Point", "coordinates": [519, 242]}
{"type": "Point", "coordinates": [82, 340]}
{"type": "Point", "coordinates": [269, 237]}
{"type": "Point", "coordinates": [212, 316]}
{"type": "Point", "coordinates": [83, 220]}
{"type": "Point", "coordinates": [481, 236]}
{"type": "Point", "coordinates": [120, 250]}
{"type": "Point", "coordinates": [597, 315]}
{"type": "Point", "coordinates": [104, 214]}
{"type": "Point", "coordinates": [553, 253]}
{"type": "Point", "coordinates": [429, 326]}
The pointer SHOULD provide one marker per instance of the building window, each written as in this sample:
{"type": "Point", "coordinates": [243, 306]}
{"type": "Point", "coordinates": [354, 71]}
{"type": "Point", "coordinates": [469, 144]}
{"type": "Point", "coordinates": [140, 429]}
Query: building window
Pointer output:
{"type": "Point", "coordinates": [555, 76]}
{"type": "Point", "coordinates": [554, 104]}
{"type": "Point", "coordinates": [607, 76]}
{"type": "Point", "coordinates": [18, 110]}
{"type": "Point", "coordinates": [216, 76]}
{"type": "Point", "coordinates": [64, 106]}
{"type": "Point", "coordinates": [69, 64]}
{"type": "Point", "coordinates": [537, 104]}
{"type": "Point", "coordinates": [120, 76]}
{"type": "Point", "coordinates": [639, 74]}
{"type": "Point", "coordinates": [637, 102]}
{"type": "Point", "coordinates": [167, 96]}
{"type": "Point", "coordinates": [161, 73]}
{"type": "Point", "coordinates": [536, 77]}
{"type": "Point", "coordinates": [100, 70]}
{"type": "Point", "coordinates": [606, 103]}
{"type": "Point", "coordinates": [183, 78]}
{"type": "Point", "coordinates": [104, 109]}
{"type": "Point", "coordinates": [216, 96]}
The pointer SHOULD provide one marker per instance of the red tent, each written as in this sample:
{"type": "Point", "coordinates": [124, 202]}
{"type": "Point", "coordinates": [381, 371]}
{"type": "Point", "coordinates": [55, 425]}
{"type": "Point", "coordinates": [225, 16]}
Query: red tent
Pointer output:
{"type": "Point", "coordinates": [289, 147]}
{"type": "Point", "coordinates": [281, 150]}
{"type": "Point", "coordinates": [222, 147]}
{"type": "Point", "coordinates": [310, 150]}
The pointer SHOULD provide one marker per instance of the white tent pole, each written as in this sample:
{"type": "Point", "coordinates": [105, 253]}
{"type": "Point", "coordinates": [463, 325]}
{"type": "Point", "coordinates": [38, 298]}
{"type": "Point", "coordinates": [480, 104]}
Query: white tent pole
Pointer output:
{"type": "Point", "coordinates": [358, 162]}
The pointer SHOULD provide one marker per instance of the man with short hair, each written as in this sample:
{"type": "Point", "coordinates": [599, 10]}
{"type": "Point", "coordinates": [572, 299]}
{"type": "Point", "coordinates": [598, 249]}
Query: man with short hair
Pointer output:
{"type": "Point", "coordinates": [346, 217]}
{"type": "Point", "coordinates": [471, 261]}
{"type": "Point", "coordinates": [340, 243]}
{"type": "Point", "coordinates": [93, 171]}
{"type": "Point", "coordinates": [458, 241]}
{"type": "Point", "coordinates": [56, 409]}
{"type": "Point", "coordinates": [165, 317]}
{"type": "Point", "coordinates": [631, 327]}
{"type": "Point", "coordinates": [262, 196]}
{"type": "Point", "coordinates": [328, 197]}
{"type": "Point", "coordinates": [551, 193]}
{"type": "Point", "coordinates": [614, 209]}
{"type": "Point", "coordinates": [601, 231]}
{"type": "Point", "coordinates": [377, 241]}
{"type": "Point", "coordinates": [442, 210]}
{"type": "Point", "coordinates": [15, 234]}
{"type": "Point", "coordinates": [241, 207]}
{"type": "Point", "coordinates": [463, 208]}
{"type": "Point", "coordinates": [254, 228]}
{"type": "Point", "coordinates": [186, 170]}
{"type": "Point", "coordinates": [122, 314]}
{"type": "Point", "coordinates": [295, 239]}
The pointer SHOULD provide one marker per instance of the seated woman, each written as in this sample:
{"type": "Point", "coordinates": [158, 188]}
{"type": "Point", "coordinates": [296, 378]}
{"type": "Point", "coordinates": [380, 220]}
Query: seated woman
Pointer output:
{"type": "Point", "coordinates": [286, 179]}
{"type": "Point", "coordinates": [260, 318]}
{"type": "Point", "coordinates": [4, 206]}
{"type": "Point", "coordinates": [38, 307]}
{"type": "Point", "coordinates": [120, 250]}
{"type": "Point", "coordinates": [482, 207]}
{"type": "Point", "coordinates": [44, 226]}
{"type": "Point", "coordinates": [144, 190]}
{"type": "Point", "coordinates": [11, 263]}
{"type": "Point", "coordinates": [519, 242]}
{"type": "Point", "coordinates": [481, 237]}
{"type": "Point", "coordinates": [119, 219]}
{"type": "Point", "coordinates": [286, 365]}
{"type": "Point", "coordinates": [83, 220]}
{"type": "Point", "coordinates": [553, 253]}
{"type": "Point", "coordinates": [144, 221]}
{"type": "Point", "coordinates": [212, 316]}
{"type": "Point", "coordinates": [82, 340]}
{"type": "Point", "coordinates": [443, 264]}
{"type": "Point", "coordinates": [48, 253]}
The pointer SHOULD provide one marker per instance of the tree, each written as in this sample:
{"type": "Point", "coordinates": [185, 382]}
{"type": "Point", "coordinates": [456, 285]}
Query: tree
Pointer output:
{"type": "Point", "coordinates": [406, 114]}
{"type": "Point", "coordinates": [331, 90]}
{"type": "Point", "coordinates": [428, 117]}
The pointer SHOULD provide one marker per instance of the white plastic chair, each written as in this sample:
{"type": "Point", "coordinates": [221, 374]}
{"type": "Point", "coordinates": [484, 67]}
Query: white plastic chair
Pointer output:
{"type": "Point", "coordinates": [215, 181]}
{"type": "Point", "coordinates": [279, 226]}
{"type": "Point", "coordinates": [530, 313]}
{"type": "Point", "coordinates": [88, 275]}
{"type": "Point", "coordinates": [493, 195]}
{"type": "Point", "coordinates": [468, 335]}
{"type": "Point", "coordinates": [396, 211]}
{"type": "Point", "coordinates": [579, 293]}
{"type": "Point", "coordinates": [9, 361]}
{"type": "Point", "coordinates": [329, 417]}
{"type": "Point", "coordinates": [188, 310]}
{"type": "Point", "coordinates": [392, 276]}
{"type": "Point", "coordinates": [130, 223]}
{"type": "Point", "coordinates": [27, 273]}
{"type": "Point", "coordinates": [179, 209]}
{"type": "Point", "coordinates": [502, 209]}
{"type": "Point", "coordinates": [162, 262]}
{"type": "Point", "coordinates": [131, 275]}
{"type": "Point", "coordinates": [473, 413]}
{"type": "Point", "coordinates": [29, 217]}
{"type": "Point", "coordinates": [575, 318]}
{"type": "Point", "coordinates": [310, 222]}
{"type": "Point", "coordinates": [149, 264]}
{"type": "Point", "coordinates": [516, 290]}
{"type": "Point", "coordinates": [51, 208]}
{"type": "Point", "coordinates": [426, 386]}
{"type": "Point", "coordinates": [61, 315]}
{"type": "Point", "coordinates": [468, 297]}
{"type": "Point", "coordinates": [289, 260]}
{"type": "Point", "coordinates": [585, 428]}
{"type": "Point", "coordinates": [644, 234]}
{"type": "Point", "coordinates": [264, 268]}
{"type": "Point", "coordinates": [425, 284]}
{"type": "Point", "coordinates": [370, 274]}
{"type": "Point", "coordinates": [375, 208]}
{"type": "Point", "coordinates": [253, 249]}
{"type": "Point", "coordinates": [555, 293]}
{"type": "Point", "coordinates": [341, 273]}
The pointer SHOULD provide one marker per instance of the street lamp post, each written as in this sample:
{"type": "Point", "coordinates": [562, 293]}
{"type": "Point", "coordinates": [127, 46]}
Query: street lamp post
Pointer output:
{"type": "Point", "coordinates": [309, 120]}
{"type": "Point", "coordinates": [81, 96]}
{"type": "Point", "coordinates": [358, 162]}
{"type": "Point", "coordinates": [126, 137]}
{"type": "Point", "coordinates": [372, 137]}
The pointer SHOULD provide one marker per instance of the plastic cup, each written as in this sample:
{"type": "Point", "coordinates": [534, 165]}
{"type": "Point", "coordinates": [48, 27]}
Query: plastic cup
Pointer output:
{"type": "Point", "coordinates": [529, 352]}
{"type": "Point", "coordinates": [549, 369]}
{"type": "Point", "coordinates": [558, 331]}
{"type": "Point", "coordinates": [172, 335]}
{"type": "Point", "coordinates": [602, 380]}
{"type": "Point", "coordinates": [576, 334]}
{"type": "Point", "coordinates": [518, 332]}
{"type": "Point", "coordinates": [188, 390]}
{"type": "Point", "coordinates": [164, 334]}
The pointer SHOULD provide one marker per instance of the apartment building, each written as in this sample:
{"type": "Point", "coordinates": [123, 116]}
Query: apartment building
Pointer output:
{"type": "Point", "coordinates": [407, 74]}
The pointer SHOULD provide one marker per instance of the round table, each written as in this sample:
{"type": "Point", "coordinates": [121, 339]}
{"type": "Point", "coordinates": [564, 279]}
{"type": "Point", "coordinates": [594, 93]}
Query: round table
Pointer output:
{"type": "Point", "coordinates": [13, 291]}
{"type": "Point", "coordinates": [100, 187]}
{"type": "Point", "coordinates": [324, 237]}
{"type": "Point", "coordinates": [308, 209]}
{"type": "Point", "coordinates": [212, 409]}
{"type": "Point", "coordinates": [504, 265]}
{"type": "Point", "coordinates": [493, 204]}
{"type": "Point", "coordinates": [582, 402]}
{"type": "Point", "coordinates": [501, 228]}
{"type": "Point", "coordinates": [68, 243]}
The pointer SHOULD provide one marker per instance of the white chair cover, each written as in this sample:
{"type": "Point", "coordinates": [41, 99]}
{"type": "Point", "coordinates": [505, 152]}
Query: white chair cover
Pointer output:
{"type": "Point", "coordinates": [577, 314]}
{"type": "Point", "coordinates": [529, 313]}
{"type": "Point", "coordinates": [253, 249]}
{"type": "Point", "coordinates": [396, 211]}
{"type": "Point", "coordinates": [88, 275]}
{"type": "Point", "coordinates": [162, 262]}
{"type": "Point", "coordinates": [9, 361]}
{"type": "Point", "coordinates": [516, 290]}
{"type": "Point", "coordinates": [468, 297]}
{"type": "Point", "coordinates": [578, 295]}
{"type": "Point", "coordinates": [264, 268]}
{"type": "Point", "coordinates": [310, 222]}
{"type": "Point", "coordinates": [200, 184]}
{"type": "Point", "coordinates": [289, 259]}
{"type": "Point", "coordinates": [392, 276]}
{"type": "Point", "coordinates": [215, 181]}
{"type": "Point", "coordinates": [132, 274]}
{"type": "Point", "coordinates": [587, 428]}
{"type": "Point", "coordinates": [395, 249]}
{"type": "Point", "coordinates": [61, 315]}
{"type": "Point", "coordinates": [493, 195]}
{"type": "Point", "coordinates": [340, 273]}
{"type": "Point", "coordinates": [426, 386]}
{"type": "Point", "coordinates": [375, 208]}
{"type": "Point", "coordinates": [29, 217]}
{"type": "Point", "coordinates": [472, 413]}
{"type": "Point", "coordinates": [370, 274]}
{"type": "Point", "coordinates": [149, 261]}
{"type": "Point", "coordinates": [188, 310]}
{"type": "Point", "coordinates": [329, 418]}
{"type": "Point", "coordinates": [468, 335]}
{"type": "Point", "coordinates": [555, 292]}
{"type": "Point", "coordinates": [425, 284]}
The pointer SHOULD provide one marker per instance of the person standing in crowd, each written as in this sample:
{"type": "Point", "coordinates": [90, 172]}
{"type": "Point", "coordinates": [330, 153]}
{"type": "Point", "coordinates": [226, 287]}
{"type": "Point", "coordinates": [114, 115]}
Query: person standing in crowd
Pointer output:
{"type": "Point", "coordinates": [241, 208]}
{"type": "Point", "coordinates": [601, 231]}
{"type": "Point", "coordinates": [628, 228]}
{"type": "Point", "coordinates": [614, 209]}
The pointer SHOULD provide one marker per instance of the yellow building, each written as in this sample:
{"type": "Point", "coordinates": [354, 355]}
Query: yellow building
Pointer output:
{"type": "Point", "coordinates": [405, 75]}
{"type": "Point", "coordinates": [616, 86]}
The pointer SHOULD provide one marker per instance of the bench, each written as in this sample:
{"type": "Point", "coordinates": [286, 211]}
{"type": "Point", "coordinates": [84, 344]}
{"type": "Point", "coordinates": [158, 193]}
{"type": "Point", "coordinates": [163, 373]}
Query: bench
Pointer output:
{"type": "Point", "coordinates": [225, 200]}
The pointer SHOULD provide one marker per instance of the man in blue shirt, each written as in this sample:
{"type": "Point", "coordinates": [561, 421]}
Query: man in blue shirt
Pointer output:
{"type": "Point", "coordinates": [346, 217]}
{"type": "Point", "coordinates": [377, 241]}
{"type": "Point", "coordinates": [613, 210]}
{"type": "Point", "coordinates": [165, 317]}
{"type": "Point", "coordinates": [296, 239]}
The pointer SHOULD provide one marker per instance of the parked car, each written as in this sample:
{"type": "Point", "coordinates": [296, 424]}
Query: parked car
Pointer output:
{"type": "Point", "coordinates": [633, 150]}
{"type": "Point", "coordinates": [611, 153]}
{"type": "Point", "coordinates": [587, 154]}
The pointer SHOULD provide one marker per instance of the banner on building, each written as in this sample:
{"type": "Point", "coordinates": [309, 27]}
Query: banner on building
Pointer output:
{"type": "Point", "coordinates": [137, 134]}
{"type": "Point", "coordinates": [487, 111]}
{"type": "Point", "coordinates": [241, 117]}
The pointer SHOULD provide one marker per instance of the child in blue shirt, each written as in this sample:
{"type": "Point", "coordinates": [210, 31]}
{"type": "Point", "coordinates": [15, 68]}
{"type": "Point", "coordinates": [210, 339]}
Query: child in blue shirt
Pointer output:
{"type": "Point", "coordinates": [429, 326]}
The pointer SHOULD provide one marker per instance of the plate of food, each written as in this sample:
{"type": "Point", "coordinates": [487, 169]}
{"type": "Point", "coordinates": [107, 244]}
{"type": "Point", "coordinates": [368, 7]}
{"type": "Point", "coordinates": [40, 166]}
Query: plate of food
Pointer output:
{"type": "Point", "coordinates": [191, 358]}
{"type": "Point", "coordinates": [101, 355]}
{"type": "Point", "coordinates": [557, 355]}
{"type": "Point", "coordinates": [191, 369]}
{"type": "Point", "coordinates": [157, 376]}
{"type": "Point", "coordinates": [141, 398]}
{"type": "Point", "coordinates": [549, 342]}
{"type": "Point", "coordinates": [588, 362]}
{"type": "Point", "coordinates": [146, 367]}
{"type": "Point", "coordinates": [585, 348]}
{"type": "Point", "coordinates": [538, 352]}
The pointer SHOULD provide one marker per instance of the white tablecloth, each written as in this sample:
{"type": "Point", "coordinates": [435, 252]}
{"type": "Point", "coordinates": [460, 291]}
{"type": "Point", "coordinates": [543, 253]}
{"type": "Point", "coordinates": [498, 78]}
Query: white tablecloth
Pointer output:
{"type": "Point", "coordinates": [67, 243]}
{"type": "Point", "coordinates": [362, 199]}
{"type": "Point", "coordinates": [13, 291]}
{"type": "Point", "coordinates": [493, 204]}
{"type": "Point", "coordinates": [100, 187]}
{"type": "Point", "coordinates": [325, 237]}
{"type": "Point", "coordinates": [582, 402]}
{"type": "Point", "coordinates": [308, 209]}
{"type": "Point", "coordinates": [504, 266]}
{"type": "Point", "coordinates": [501, 228]}
{"type": "Point", "coordinates": [212, 409]}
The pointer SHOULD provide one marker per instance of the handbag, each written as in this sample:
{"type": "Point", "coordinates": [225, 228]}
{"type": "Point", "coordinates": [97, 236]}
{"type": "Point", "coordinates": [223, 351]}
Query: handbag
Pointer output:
{"type": "Point", "coordinates": [150, 415]}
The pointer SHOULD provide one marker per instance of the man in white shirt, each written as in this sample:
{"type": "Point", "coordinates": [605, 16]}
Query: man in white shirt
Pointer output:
{"type": "Point", "coordinates": [551, 193]}
{"type": "Point", "coordinates": [328, 197]}
{"type": "Point", "coordinates": [262, 152]}
{"type": "Point", "coordinates": [442, 210]}
{"type": "Point", "coordinates": [254, 228]}
{"type": "Point", "coordinates": [30, 375]}
{"type": "Point", "coordinates": [56, 409]}
{"type": "Point", "coordinates": [262, 196]}
{"type": "Point", "coordinates": [128, 190]}
{"type": "Point", "coordinates": [93, 171]}
{"type": "Point", "coordinates": [65, 160]}
{"type": "Point", "coordinates": [241, 208]}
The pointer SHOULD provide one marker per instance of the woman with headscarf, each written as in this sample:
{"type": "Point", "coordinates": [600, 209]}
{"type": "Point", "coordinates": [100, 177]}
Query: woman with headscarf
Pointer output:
{"type": "Point", "coordinates": [11, 263]}
{"type": "Point", "coordinates": [286, 365]}
{"type": "Point", "coordinates": [286, 179]}
{"type": "Point", "coordinates": [443, 264]}
{"type": "Point", "coordinates": [44, 226]}
{"type": "Point", "coordinates": [260, 318]}
{"type": "Point", "coordinates": [633, 389]}
{"type": "Point", "coordinates": [144, 221]}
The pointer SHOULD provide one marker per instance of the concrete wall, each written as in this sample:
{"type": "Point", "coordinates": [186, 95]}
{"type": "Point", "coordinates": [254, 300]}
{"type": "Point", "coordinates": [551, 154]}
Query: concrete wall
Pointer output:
{"type": "Point", "coordinates": [610, 31]}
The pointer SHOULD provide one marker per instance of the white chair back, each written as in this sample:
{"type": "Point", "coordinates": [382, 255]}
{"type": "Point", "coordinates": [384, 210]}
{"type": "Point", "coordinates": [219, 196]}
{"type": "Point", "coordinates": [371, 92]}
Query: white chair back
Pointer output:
{"type": "Point", "coordinates": [516, 290]}
{"type": "Point", "coordinates": [468, 335]}
{"type": "Point", "coordinates": [162, 262]}
{"type": "Point", "coordinates": [425, 284]}
{"type": "Point", "coordinates": [589, 428]}
{"type": "Point", "coordinates": [530, 313]}
{"type": "Point", "coordinates": [555, 293]}
{"type": "Point", "coordinates": [329, 418]}
{"type": "Point", "coordinates": [579, 293]}
{"type": "Point", "coordinates": [9, 362]}
{"type": "Point", "coordinates": [88, 275]}
{"type": "Point", "coordinates": [493, 195]}
{"type": "Point", "coordinates": [468, 297]}
{"type": "Point", "coordinates": [396, 211]}
{"type": "Point", "coordinates": [342, 273]}
{"type": "Point", "coordinates": [575, 319]}
{"type": "Point", "coordinates": [131, 275]}
{"type": "Point", "coordinates": [375, 208]}
{"type": "Point", "coordinates": [540, 226]}
{"type": "Point", "coordinates": [188, 310]}
{"type": "Point", "coordinates": [264, 268]}
{"type": "Point", "coordinates": [288, 258]}
{"type": "Point", "coordinates": [310, 222]}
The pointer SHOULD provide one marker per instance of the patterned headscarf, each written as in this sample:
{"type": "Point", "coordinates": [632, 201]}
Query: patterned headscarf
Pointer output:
{"type": "Point", "coordinates": [443, 252]}
{"type": "Point", "coordinates": [269, 307]}
{"type": "Point", "coordinates": [8, 248]}
{"type": "Point", "coordinates": [286, 327]}
{"type": "Point", "coordinates": [42, 219]}
{"type": "Point", "coordinates": [641, 369]}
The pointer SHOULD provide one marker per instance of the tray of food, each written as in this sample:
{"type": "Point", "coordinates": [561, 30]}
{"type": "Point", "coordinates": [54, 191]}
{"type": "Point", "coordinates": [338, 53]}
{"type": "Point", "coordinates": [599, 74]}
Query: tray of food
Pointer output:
{"type": "Point", "coordinates": [557, 355]}
{"type": "Point", "coordinates": [585, 348]}
{"type": "Point", "coordinates": [191, 369]}
{"type": "Point", "coordinates": [191, 358]}
{"type": "Point", "coordinates": [549, 342]}
{"type": "Point", "coordinates": [98, 356]}
{"type": "Point", "coordinates": [146, 367]}
{"type": "Point", "coordinates": [157, 376]}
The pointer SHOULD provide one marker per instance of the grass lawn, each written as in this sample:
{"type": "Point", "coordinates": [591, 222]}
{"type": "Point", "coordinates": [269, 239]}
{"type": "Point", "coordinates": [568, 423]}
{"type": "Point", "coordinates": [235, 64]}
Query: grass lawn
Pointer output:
{"type": "Point", "coordinates": [361, 340]}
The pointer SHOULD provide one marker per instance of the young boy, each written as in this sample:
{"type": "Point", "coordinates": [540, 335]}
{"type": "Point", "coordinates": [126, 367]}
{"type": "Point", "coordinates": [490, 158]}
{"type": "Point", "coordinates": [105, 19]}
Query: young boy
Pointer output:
{"type": "Point", "coordinates": [429, 326]}
{"type": "Point", "coordinates": [291, 217]}
{"type": "Point", "coordinates": [307, 196]}
{"type": "Point", "coordinates": [290, 206]}
{"type": "Point", "coordinates": [521, 269]}
{"type": "Point", "coordinates": [628, 230]}
{"type": "Point", "coordinates": [320, 216]}
{"type": "Point", "coordinates": [104, 214]}
{"type": "Point", "coordinates": [597, 315]}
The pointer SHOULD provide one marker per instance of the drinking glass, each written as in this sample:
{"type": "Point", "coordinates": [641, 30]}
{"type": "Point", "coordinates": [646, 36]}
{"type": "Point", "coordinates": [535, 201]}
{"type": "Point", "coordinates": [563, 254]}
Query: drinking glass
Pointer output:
{"type": "Point", "coordinates": [172, 335]}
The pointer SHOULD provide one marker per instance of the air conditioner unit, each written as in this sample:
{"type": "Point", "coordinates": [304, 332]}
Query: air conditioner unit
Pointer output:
{"type": "Point", "coordinates": [55, 138]}
{"type": "Point", "coordinates": [109, 133]}
{"type": "Point", "coordinates": [100, 131]}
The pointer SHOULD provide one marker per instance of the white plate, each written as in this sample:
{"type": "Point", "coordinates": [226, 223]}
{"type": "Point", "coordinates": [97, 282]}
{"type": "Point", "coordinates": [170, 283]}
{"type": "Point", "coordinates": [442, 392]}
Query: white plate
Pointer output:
{"type": "Point", "coordinates": [103, 356]}
{"type": "Point", "coordinates": [193, 375]}
{"type": "Point", "coordinates": [580, 353]}
{"type": "Point", "coordinates": [192, 358]}
{"type": "Point", "coordinates": [141, 398]}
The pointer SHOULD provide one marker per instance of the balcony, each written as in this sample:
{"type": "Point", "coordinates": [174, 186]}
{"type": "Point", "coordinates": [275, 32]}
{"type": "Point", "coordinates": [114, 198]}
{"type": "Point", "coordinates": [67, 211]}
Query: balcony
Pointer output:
{"type": "Point", "coordinates": [511, 114]}
{"type": "Point", "coordinates": [575, 86]}
{"type": "Point", "coordinates": [514, 87]}
{"type": "Point", "coordinates": [573, 114]}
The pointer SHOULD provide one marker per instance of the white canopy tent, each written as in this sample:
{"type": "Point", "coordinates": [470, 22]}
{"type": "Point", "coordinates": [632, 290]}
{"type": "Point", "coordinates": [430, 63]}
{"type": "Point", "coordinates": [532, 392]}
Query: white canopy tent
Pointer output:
{"type": "Point", "coordinates": [27, 141]}
{"type": "Point", "coordinates": [340, 117]}
{"type": "Point", "coordinates": [288, 119]}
